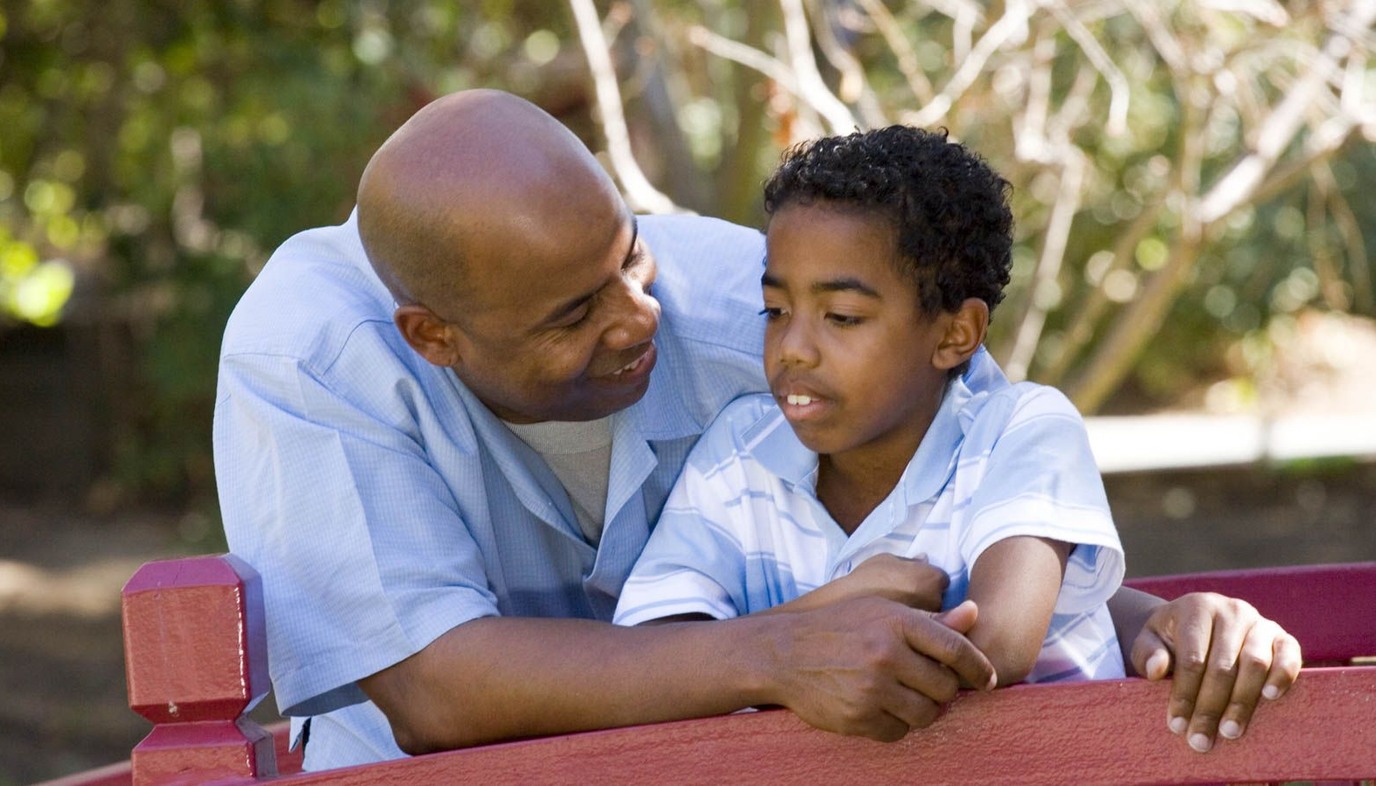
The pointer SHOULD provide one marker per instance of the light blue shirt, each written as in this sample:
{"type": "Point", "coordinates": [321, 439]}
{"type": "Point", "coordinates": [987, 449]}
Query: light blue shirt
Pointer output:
{"type": "Point", "coordinates": [384, 505]}
{"type": "Point", "coordinates": [744, 531]}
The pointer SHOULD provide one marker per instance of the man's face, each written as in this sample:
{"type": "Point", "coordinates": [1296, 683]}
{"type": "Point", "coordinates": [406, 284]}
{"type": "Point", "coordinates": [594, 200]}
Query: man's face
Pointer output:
{"type": "Point", "coordinates": [848, 350]}
{"type": "Point", "coordinates": [565, 330]}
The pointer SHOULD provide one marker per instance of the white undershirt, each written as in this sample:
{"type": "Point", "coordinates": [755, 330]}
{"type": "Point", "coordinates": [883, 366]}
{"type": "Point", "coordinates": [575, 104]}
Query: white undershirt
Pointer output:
{"type": "Point", "coordinates": [580, 456]}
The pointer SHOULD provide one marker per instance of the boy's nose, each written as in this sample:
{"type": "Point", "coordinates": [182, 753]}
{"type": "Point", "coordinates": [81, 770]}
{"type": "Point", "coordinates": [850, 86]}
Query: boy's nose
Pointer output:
{"type": "Point", "coordinates": [796, 346]}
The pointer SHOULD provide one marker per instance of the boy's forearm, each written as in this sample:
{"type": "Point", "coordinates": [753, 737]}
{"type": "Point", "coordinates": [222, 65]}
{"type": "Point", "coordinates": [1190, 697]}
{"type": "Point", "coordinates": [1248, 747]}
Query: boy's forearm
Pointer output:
{"type": "Point", "coordinates": [1015, 583]}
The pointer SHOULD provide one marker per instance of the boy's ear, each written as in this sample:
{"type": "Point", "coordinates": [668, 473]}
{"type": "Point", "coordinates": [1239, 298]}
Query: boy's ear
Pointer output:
{"type": "Point", "coordinates": [965, 329]}
{"type": "Point", "coordinates": [431, 337]}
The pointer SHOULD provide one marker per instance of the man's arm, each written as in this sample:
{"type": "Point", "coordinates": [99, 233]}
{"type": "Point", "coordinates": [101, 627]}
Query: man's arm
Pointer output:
{"type": "Point", "coordinates": [869, 667]}
{"type": "Point", "coordinates": [1225, 657]}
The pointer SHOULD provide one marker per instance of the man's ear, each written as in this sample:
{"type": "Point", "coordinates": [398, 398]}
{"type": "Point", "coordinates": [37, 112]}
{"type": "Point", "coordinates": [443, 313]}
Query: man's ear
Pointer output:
{"type": "Point", "coordinates": [965, 329]}
{"type": "Point", "coordinates": [431, 337]}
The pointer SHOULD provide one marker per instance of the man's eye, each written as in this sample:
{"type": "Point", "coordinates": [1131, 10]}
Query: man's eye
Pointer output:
{"type": "Point", "coordinates": [576, 318]}
{"type": "Point", "coordinates": [844, 320]}
{"type": "Point", "coordinates": [771, 313]}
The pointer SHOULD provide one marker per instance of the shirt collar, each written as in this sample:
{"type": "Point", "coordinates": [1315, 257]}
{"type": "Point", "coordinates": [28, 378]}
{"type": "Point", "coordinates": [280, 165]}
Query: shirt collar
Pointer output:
{"type": "Point", "coordinates": [778, 449]}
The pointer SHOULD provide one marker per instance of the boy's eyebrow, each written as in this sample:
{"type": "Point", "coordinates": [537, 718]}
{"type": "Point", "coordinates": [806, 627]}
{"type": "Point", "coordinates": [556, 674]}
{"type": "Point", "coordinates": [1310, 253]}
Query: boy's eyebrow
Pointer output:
{"type": "Point", "coordinates": [574, 303]}
{"type": "Point", "coordinates": [843, 284]}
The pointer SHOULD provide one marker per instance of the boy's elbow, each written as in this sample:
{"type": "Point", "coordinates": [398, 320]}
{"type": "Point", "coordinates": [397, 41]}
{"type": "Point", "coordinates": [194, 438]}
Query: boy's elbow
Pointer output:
{"type": "Point", "coordinates": [1011, 671]}
{"type": "Point", "coordinates": [1012, 657]}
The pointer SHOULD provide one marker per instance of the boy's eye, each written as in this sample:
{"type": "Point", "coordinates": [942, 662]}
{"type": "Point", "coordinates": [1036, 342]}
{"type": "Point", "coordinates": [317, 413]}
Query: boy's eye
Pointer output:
{"type": "Point", "coordinates": [843, 320]}
{"type": "Point", "coordinates": [771, 312]}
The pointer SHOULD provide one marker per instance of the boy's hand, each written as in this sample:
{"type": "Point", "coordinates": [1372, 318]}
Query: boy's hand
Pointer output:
{"type": "Point", "coordinates": [912, 582]}
{"type": "Point", "coordinates": [1226, 657]}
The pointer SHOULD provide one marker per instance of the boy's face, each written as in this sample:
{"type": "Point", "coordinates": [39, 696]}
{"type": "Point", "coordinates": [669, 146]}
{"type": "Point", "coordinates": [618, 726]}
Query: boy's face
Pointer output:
{"type": "Point", "coordinates": [848, 351]}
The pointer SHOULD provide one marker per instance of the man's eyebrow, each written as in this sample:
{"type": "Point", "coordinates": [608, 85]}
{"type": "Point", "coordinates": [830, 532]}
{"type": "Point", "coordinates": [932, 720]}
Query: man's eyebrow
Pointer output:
{"type": "Point", "coordinates": [571, 305]}
{"type": "Point", "coordinates": [844, 284]}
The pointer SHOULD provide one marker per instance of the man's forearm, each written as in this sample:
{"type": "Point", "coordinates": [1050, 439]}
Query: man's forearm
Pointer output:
{"type": "Point", "coordinates": [1130, 609]}
{"type": "Point", "coordinates": [870, 667]}
{"type": "Point", "coordinates": [499, 678]}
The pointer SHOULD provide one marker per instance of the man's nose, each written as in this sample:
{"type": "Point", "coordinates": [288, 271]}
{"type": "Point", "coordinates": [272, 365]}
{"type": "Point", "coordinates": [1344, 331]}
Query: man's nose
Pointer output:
{"type": "Point", "coordinates": [636, 316]}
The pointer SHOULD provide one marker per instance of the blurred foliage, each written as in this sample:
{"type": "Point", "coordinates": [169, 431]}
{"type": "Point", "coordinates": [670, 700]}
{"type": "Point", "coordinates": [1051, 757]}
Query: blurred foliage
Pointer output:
{"type": "Point", "coordinates": [154, 152]}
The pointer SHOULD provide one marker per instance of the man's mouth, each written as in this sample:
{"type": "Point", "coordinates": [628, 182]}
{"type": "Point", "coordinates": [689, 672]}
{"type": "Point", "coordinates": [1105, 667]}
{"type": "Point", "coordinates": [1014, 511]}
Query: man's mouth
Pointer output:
{"type": "Point", "coordinates": [632, 366]}
{"type": "Point", "coordinates": [798, 400]}
{"type": "Point", "coordinates": [635, 369]}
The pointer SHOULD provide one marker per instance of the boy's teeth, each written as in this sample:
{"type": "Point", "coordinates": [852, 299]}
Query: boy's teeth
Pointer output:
{"type": "Point", "coordinates": [799, 401]}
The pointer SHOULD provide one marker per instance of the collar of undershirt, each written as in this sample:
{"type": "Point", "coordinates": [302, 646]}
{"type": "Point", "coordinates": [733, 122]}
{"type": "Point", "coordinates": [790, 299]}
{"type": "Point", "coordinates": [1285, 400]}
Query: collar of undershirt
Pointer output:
{"type": "Point", "coordinates": [556, 437]}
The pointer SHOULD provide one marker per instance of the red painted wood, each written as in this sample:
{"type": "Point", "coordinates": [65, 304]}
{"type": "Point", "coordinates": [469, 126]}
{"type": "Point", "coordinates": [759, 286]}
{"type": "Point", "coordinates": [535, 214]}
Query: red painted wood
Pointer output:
{"type": "Point", "coordinates": [195, 661]}
{"type": "Point", "coordinates": [1105, 732]}
{"type": "Point", "coordinates": [288, 761]}
{"type": "Point", "coordinates": [1102, 732]}
{"type": "Point", "coordinates": [1330, 609]}
{"type": "Point", "coordinates": [202, 751]}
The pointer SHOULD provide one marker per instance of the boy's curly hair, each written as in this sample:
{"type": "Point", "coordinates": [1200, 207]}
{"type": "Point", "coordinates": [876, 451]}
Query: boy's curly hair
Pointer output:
{"type": "Point", "coordinates": [949, 208]}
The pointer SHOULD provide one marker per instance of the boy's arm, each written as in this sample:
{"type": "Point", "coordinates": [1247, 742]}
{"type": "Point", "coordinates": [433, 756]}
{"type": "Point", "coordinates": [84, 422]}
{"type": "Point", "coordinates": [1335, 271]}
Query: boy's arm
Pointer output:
{"type": "Point", "coordinates": [1015, 583]}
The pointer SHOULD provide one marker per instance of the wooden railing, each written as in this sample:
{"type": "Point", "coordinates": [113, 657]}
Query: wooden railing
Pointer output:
{"type": "Point", "coordinates": [195, 655]}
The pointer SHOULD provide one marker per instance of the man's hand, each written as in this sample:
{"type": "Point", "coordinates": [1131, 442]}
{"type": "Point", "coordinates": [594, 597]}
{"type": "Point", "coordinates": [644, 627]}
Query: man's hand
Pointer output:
{"type": "Point", "coordinates": [874, 668]}
{"type": "Point", "coordinates": [1226, 657]}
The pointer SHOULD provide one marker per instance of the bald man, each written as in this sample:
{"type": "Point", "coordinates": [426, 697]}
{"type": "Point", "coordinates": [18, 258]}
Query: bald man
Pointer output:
{"type": "Point", "coordinates": [445, 429]}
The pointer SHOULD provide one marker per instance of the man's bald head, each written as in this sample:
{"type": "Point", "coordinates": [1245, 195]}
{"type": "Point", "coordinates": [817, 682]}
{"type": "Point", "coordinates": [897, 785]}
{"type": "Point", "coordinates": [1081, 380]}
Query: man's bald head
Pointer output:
{"type": "Point", "coordinates": [472, 179]}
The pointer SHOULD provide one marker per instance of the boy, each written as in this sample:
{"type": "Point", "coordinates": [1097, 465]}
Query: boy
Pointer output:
{"type": "Point", "coordinates": [886, 252]}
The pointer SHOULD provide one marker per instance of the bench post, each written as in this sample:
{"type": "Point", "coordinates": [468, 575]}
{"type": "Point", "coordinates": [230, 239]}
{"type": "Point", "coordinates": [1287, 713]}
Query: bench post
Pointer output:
{"type": "Point", "coordinates": [195, 654]}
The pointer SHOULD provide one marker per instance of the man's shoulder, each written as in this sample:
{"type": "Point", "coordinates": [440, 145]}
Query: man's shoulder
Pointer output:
{"type": "Point", "coordinates": [709, 280]}
{"type": "Point", "coordinates": [315, 294]}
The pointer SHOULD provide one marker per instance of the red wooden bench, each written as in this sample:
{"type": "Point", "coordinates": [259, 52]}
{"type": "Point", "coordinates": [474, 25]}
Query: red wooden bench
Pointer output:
{"type": "Point", "coordinates": [196, 661]}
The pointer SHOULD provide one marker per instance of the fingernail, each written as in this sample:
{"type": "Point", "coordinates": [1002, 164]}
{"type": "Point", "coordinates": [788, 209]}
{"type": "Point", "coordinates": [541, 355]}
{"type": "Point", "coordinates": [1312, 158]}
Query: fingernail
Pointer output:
{"type": "Point", "coordinates": [1230, 729]}
{"type": "Point", "coordinates": [1200, 743]}
{"type": "Point", "coordinates": [1271, 692]}
{"type": "Point", "coordinates": [993, 682]}
{"type": "Point", "coordinates": [1178, 725]}
{"type": "Point", "coordinates": [1157, 665]}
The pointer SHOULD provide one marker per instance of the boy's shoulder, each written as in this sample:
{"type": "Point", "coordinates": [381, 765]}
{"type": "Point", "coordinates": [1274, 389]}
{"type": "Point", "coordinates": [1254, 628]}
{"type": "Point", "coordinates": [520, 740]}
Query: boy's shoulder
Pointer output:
{"type": "Point", "coordinates": [989, 415]}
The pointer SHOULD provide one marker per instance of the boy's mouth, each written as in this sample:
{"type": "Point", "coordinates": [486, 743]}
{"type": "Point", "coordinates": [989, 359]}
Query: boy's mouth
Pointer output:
{"type": "Point", "coordinates": [800, 404]}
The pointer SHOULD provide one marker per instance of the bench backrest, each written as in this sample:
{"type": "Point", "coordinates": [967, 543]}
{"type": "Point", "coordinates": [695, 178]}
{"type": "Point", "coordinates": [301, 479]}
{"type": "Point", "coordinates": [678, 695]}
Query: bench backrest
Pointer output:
{"type": "Point", "coordinates": [196, 656]}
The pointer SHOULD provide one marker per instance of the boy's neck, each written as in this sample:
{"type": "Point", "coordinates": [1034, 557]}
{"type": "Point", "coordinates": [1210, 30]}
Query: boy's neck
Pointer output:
{"type": "Point", "coordinates": [851, 486]}
{"type": "Point", "coordinates": [851, 483]}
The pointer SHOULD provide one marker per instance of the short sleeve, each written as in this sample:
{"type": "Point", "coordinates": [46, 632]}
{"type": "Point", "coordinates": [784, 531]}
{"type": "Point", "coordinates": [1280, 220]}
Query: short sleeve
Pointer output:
{"type": "Point", "coordinates": [364, 557]}
{"type": "Point", "coordinates": [694, 562]}
{"type": "Point", "coordinates": [1040, 479]}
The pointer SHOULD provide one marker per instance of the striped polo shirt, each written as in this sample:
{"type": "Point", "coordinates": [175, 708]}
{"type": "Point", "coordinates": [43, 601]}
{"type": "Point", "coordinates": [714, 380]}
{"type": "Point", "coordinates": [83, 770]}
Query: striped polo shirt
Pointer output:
{"type": "Point", "coordinates": [743, 529]}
